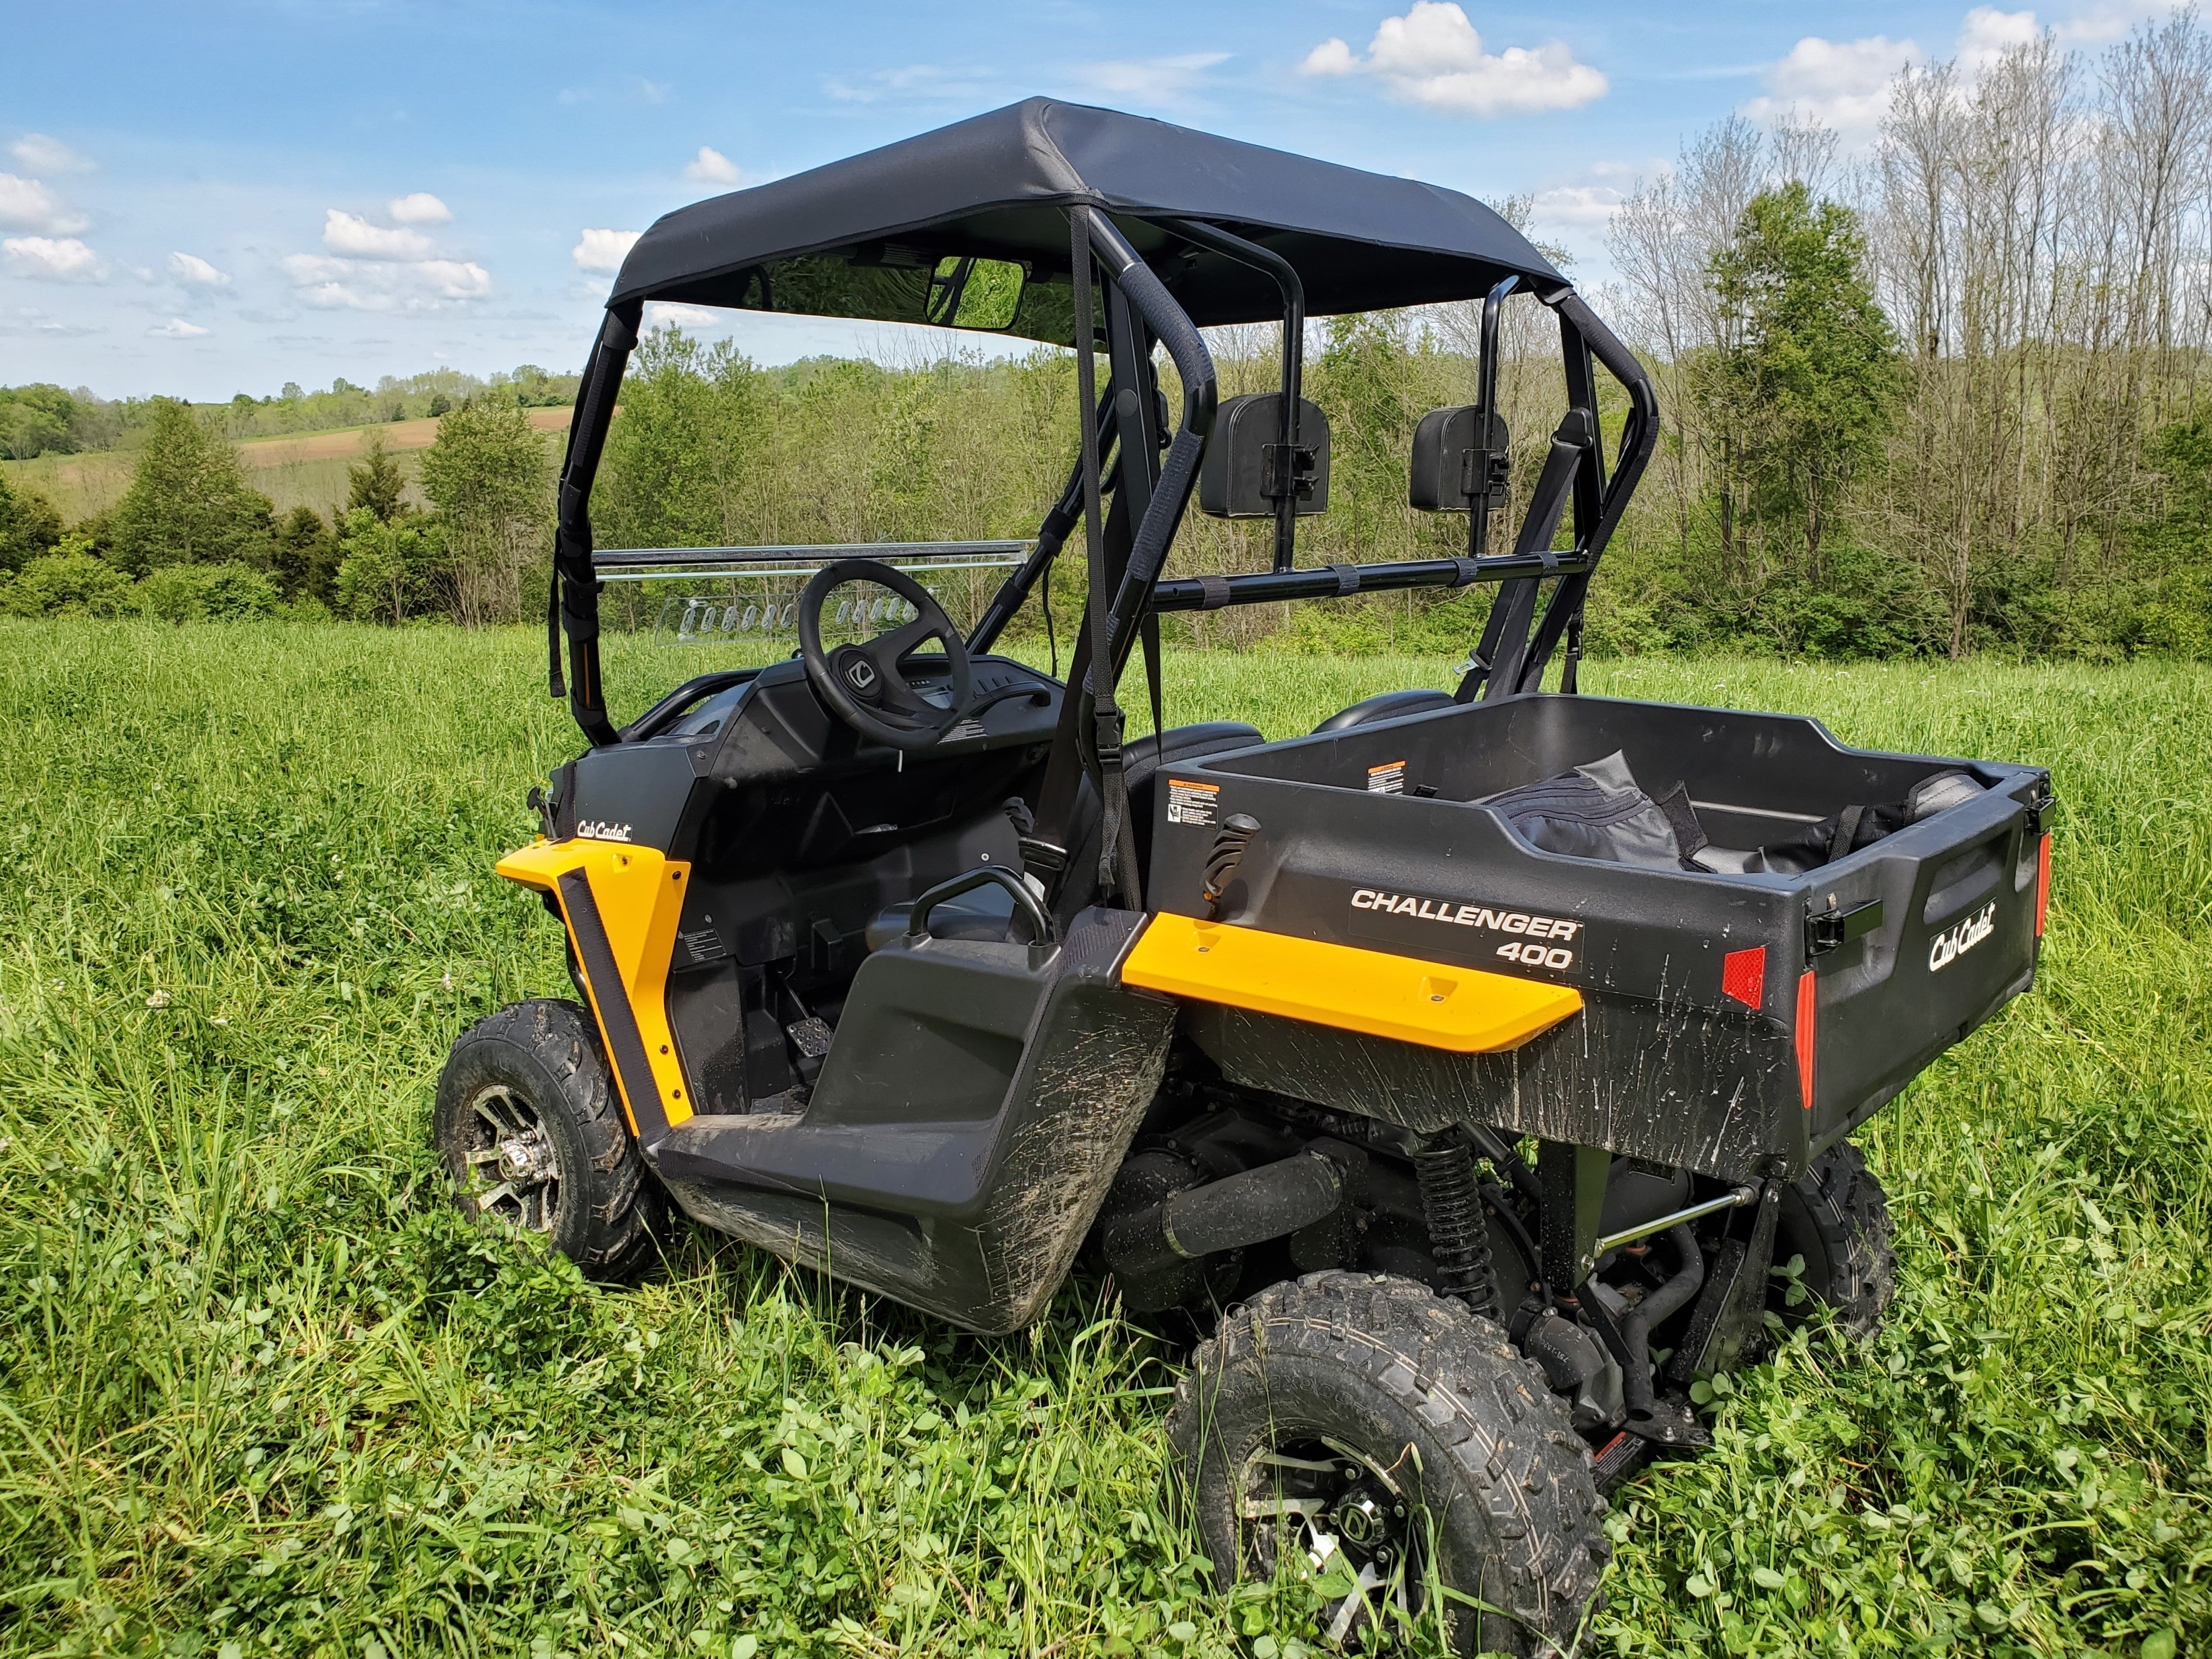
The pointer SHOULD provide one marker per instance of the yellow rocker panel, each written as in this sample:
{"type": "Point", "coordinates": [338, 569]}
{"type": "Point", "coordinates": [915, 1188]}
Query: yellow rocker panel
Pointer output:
{"type": "Point", "coordinates": [1436, 1004]}
{"type": "Point", "coordinates": [640, 895]}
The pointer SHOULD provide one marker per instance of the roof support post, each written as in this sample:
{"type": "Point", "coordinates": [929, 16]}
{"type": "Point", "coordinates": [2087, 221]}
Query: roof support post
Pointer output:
{"type": "Point", "coordinates": [573, 603]}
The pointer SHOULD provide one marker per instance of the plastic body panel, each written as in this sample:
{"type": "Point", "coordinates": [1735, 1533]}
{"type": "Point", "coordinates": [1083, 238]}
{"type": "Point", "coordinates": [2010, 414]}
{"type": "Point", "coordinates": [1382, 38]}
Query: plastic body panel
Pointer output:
{"type": "Point", "coordinates": [969, 1118]}
{"type": "Point", "coordinates": [1662, 1063]}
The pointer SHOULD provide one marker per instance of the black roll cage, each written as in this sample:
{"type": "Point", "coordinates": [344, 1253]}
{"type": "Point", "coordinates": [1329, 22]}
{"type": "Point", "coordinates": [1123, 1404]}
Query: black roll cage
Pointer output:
{"type": "Point", "coordinates": [1154, 491]}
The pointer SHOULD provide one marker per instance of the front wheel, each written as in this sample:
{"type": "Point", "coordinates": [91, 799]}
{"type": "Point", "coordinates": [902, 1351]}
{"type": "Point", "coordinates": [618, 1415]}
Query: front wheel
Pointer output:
{"type": "Point", "coordinates": [533, 1135]}
{"type": "Point", "coordinates": [1395, 1441]}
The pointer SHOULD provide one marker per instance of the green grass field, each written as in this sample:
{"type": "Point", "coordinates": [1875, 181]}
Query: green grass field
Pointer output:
{"type": "Point", "coordinates": [261, 1392]}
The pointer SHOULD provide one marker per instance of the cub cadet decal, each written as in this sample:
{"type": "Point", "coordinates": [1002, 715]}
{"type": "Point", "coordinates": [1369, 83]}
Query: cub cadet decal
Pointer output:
{"type": "Point", "coordinates": [593, 829]}
{"type": "Point", "coordinates": [1949, 946]}
{"type": "Point", "coordinates": [1524, 950]}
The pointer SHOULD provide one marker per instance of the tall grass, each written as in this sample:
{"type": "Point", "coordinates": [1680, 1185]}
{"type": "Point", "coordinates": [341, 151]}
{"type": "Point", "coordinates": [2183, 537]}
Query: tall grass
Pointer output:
{"type": "Point", "coordinates": [260, 1392]}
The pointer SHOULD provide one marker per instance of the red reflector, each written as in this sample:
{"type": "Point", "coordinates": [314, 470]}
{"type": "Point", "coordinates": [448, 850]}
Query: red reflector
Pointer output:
{"type": "Point", "coordinates": [1743, 976]}
{"type": "Point", "coordinates": [2042, 882]}
{"type": "Point", "coordinates": [1809, 997]}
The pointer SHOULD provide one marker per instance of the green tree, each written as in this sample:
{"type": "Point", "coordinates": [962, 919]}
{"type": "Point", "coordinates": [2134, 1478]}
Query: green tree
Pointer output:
{"type": "Point", "coordinates": [390, 572]}
{"type": "Point", "coordinates": [491, 481]}
{"type": "Point", "coordinates": [688, 448]}
{"type": "Point", "coordinates": [28, 526]}
{"type": "Point", "coordinates": [1812, 382]}
{"type": "Point", "coordinates": [305, 560]}
{"type": "Point", "coordinates": [35, 420]}
{"type": "Point", "coordinates": [376, 482]}
{"type": "Point", "coordinates": [189, 502]}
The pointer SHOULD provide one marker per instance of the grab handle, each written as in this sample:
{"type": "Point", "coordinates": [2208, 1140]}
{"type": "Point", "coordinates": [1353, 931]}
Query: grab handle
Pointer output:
{"type": "Point", "coordinates": [917, 921]}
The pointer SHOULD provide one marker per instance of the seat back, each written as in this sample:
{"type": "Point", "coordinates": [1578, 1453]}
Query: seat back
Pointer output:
{"type": "Point", "coordinates": [1141, 761]}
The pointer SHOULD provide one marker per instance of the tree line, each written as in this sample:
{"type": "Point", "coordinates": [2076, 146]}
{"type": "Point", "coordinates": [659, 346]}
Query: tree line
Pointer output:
{"type": "Point", "coordinates": [1949, 397]}
{"type": "Point", "coordinates": [192, 540]}
{"type": "Point", "coordinates": [44, 418]}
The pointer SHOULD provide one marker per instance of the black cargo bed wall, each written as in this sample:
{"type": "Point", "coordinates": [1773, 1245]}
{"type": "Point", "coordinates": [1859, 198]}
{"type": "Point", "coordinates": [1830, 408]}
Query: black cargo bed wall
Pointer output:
{"type": "Point", "coordinates": [1754, 777]}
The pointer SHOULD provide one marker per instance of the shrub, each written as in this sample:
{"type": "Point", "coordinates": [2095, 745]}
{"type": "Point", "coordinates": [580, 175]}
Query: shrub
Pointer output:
{"type": "Point", "coordinates": [388, 572]}
{"type": "Point", "coordinates": [228, 592]}
{"type": "Point", "coordinates": [70, 582]}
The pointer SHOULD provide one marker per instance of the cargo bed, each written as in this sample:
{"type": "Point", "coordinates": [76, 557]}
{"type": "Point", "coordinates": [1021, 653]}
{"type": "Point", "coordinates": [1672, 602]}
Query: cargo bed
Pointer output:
{"type": "Point", "coordinates": [1734, 1024]}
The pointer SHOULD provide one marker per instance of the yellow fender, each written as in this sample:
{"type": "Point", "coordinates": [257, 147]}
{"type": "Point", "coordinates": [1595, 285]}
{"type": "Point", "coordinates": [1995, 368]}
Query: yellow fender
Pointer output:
{"type": "Point", "coordinates": [621, 904]}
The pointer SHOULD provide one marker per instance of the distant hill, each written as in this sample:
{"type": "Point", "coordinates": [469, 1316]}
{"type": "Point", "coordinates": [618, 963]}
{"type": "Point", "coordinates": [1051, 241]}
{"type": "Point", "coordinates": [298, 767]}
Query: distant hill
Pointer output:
{"type": "Point", "coordinates": [306, 469]}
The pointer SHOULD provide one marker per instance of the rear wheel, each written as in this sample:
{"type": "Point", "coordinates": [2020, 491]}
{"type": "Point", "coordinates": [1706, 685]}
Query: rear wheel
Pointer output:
{"type": "Point", "coordinates": [1390, 1436]}
{"type": "Point", "coordinates": [1835, 1218]}
{"type": "Point", "coordinates": [533, 1135]}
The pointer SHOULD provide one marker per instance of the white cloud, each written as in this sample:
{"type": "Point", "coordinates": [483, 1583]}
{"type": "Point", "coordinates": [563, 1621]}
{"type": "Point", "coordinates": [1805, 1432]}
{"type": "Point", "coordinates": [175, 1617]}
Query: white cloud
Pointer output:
{"type": "Point", "coordinates": [604, 250]}
{"type": "Point", "coordinates": [1841, 84]}
{"type": "Point", "coordinates": [1575, 207]}
{"type": "Point", "coordinates": [710, 167]}
{"type": "Point", "coordinates": [49, 259]}
{"type": "Point", "coordinates": [420, 208]}
{"type": "Point", "coordinates": [27, 204]}
{"type": "Point", "coordinates": [666, 314]}
{"type": "Point", "coordinates": [1433, 58]}
{"type": "Point", "coordinates": [192, 268]}
{"type": "Point", "coordinates": [2105, 20]}
{"type": "Point", "coordinates": [1988, 34]}
{"type": "Point", "coordinates": [355, 238]}
{"type": "Point", "coordinates": [1169, 81]}
{"type": "Point", "coordinates": [42, 154]}
{"type": "Point", "coordinates": [914, 80]}
{"type": "Point", "coordinates": [177, 329]}
{"type": "Point", "coordinates": [332, 284]}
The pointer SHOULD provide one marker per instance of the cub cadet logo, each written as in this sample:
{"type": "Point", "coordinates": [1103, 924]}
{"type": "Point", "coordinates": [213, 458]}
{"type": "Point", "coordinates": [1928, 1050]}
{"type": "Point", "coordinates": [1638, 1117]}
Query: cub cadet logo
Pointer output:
{"type": "Point", "coordinates": [1531, 927]}
{"type": "Point", "coordinates": [1951, 943]}
{"type": "Point", "coordinates": [593, 830]}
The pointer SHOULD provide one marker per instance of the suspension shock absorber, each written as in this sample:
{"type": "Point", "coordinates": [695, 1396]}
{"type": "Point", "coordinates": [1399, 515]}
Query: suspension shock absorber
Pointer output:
{"type": "Point", "coordinates": [1459, 1235]}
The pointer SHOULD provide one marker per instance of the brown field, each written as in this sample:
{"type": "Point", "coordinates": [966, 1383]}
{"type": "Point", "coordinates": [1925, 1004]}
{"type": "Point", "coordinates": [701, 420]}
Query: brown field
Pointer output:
{"type": "Point", "coordinates": [308, 469]}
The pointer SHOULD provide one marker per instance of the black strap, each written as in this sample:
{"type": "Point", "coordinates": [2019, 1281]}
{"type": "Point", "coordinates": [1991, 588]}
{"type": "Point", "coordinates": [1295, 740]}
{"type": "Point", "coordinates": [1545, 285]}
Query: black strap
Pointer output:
{"type": "Point", "coordinates": [1044, 599]}
{"type": "Point", "coordinates": [1151, 633]}
{"type": "Point", "coordinates": [553, 680]}
{"type": "Point", "coordinates": [1347, 579]}
{"type": "Point", "coordinates": [1847, 831]}
{"type": "Point", "coordinates": [1213, 592]}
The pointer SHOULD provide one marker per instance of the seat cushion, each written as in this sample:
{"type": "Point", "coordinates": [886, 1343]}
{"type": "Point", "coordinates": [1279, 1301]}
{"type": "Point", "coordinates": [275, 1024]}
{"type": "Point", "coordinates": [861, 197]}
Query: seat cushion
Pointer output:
{"type": "Point", "coordinates": [1388, 705]}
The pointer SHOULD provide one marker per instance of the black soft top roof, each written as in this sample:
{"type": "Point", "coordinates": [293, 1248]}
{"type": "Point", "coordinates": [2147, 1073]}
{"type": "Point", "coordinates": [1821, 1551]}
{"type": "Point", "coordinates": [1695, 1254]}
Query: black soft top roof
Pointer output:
{"type": "Point", "coordinates": [859, 238]}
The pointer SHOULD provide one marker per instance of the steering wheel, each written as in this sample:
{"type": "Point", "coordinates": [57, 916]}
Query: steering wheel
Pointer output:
{"type": "Point", "coordinates": [862, 683]}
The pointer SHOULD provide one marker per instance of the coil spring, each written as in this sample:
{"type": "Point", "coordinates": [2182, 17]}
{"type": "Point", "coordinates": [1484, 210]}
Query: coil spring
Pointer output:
{"type": "Point", "coordinates": [1459, 1236]}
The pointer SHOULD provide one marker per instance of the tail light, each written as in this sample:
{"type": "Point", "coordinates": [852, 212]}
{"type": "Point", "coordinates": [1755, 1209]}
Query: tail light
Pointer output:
{"type": "Point", "coordinates": [2042, 883]}
{"type": "Point", "coordinates": [1808, 1000]}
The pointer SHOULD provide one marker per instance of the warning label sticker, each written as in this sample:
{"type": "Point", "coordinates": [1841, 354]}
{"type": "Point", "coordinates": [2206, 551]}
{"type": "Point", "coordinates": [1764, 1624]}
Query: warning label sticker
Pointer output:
{"type": "Point", "coordinates": [1191, 803]}
{"type": "Point", "coordinates": [1388, 778]}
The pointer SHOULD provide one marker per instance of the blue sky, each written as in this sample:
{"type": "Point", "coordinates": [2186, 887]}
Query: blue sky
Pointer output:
{"type": "Point", "coordinates": [224, 196]}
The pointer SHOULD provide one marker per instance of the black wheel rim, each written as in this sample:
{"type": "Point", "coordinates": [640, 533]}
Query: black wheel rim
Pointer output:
{"type": "Point", "coordinates": [1331, 1504]}
{"type": "Point", "coordinates": [511, 1167]}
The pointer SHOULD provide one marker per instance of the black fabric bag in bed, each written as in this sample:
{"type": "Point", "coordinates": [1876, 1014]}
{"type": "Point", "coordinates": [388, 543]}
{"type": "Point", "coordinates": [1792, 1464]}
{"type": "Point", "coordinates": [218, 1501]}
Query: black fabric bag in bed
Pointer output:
{"type": "Point", "coordinates": [1599, 811]}
{"type": "Point", "coordinates": [1596, 811]}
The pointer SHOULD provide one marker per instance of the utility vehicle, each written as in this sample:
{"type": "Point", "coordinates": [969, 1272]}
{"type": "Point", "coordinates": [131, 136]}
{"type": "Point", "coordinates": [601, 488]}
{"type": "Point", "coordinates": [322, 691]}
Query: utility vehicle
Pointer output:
{"type": "Point", "coordinates": [1473, 1073]}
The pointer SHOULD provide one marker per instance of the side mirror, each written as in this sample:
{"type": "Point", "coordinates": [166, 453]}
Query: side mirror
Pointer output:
{"type": "Point", "coordinates": [1245, 472]}
{"type": "Point", "coordinates": [1459, 457]}
{"type": "Point", "coordinates": [975, 293]}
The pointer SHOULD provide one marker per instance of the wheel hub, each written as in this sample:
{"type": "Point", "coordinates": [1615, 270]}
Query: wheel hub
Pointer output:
{"type": "Point", "coordinates": [1339, 1509]}
{"type": "Point", "coordinates": [514, 1167]}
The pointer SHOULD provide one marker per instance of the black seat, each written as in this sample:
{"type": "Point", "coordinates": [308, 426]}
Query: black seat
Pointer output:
{"type": "Point", "coordinates": [989, 912]}
{"type": "Point", "coordinates": [1387, 705]}
{"type": "Point", "coordinates": [1141, 760]}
